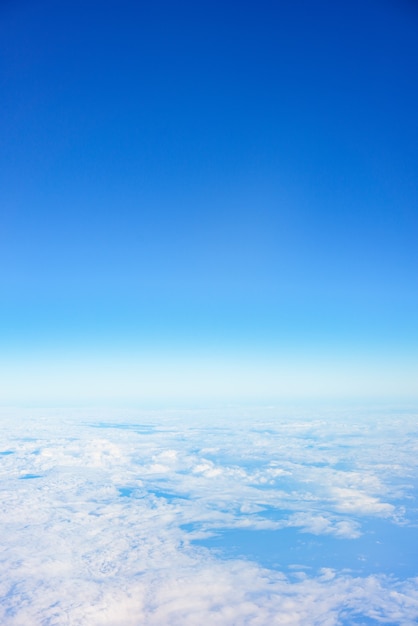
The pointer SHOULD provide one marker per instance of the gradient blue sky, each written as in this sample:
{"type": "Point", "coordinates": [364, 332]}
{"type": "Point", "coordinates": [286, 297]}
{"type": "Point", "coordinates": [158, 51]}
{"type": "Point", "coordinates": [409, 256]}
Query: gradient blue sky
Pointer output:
{"type": "Point", "coordinates": [208, 200]}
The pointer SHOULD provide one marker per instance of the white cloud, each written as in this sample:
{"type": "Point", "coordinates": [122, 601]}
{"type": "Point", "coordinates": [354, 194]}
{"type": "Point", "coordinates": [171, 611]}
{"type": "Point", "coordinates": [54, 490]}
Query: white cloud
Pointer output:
{"type": "Point", "coordinates": [321, 524]}
{"type": "Point", "coordinates": [358, 502]}
{"type": "Point", "coordinates": [76, 551]}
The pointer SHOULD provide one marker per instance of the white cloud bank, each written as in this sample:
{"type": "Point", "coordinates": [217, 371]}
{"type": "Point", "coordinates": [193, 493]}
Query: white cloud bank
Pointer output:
{"type": "Point", "coordinates": [93, 519]}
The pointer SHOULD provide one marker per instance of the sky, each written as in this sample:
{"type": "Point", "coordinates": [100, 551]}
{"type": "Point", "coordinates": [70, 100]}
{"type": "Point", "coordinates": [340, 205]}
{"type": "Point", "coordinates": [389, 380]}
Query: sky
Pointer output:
{"type": "Point", "coordinates": [212, 201]}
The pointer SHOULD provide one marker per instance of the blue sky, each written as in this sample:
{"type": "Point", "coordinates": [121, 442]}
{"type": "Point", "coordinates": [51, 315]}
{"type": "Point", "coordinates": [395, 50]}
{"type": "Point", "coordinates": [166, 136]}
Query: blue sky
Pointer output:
{"type": "Point", "coordinates": [208, 200]}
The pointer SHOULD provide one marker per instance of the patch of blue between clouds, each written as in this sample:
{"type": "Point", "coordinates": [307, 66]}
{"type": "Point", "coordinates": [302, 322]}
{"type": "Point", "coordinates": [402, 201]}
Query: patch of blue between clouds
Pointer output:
{"type": "Point", "coordinates": [133, 492]}
{"type": "Point", "coordinates": [382, 548]}
{"type": "Point", "coordinates": [29, 476]}
{"type": "Point", "coordinates": [169, 497]}
{"type": "Point", "coordinates": [127, 492]}
{"type": "Point", "coordinates": [143, 429]}
{"type": "Point", "coordinates": [361, 620]}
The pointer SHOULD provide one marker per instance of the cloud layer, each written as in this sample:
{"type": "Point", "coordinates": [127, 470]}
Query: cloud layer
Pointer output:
{"type": "Point", "coordinates": [110, 519]}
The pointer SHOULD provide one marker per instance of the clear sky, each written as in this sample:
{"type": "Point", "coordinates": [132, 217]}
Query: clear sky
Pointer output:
{"type": "Point", "coordinates": [208, 200]}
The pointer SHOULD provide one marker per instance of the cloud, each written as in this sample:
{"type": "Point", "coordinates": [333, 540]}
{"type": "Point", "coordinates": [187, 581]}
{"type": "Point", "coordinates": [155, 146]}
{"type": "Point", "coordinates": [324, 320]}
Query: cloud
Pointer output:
{"type": "Point", "coordinates": [321, 524]}
{"type": "Point", "coordinates": [358, 502]}
{"type": "Point", "coordinates": [74, 550]}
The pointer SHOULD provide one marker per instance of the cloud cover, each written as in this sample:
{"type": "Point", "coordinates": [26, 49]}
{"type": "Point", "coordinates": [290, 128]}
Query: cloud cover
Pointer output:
{"type": "Point", "coordinates": [104, 521]}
